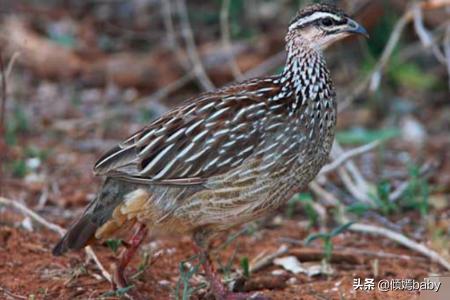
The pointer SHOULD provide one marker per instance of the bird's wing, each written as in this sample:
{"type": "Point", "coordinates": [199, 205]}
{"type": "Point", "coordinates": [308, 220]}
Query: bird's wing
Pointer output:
{"type": "Point", "coordinates": [208, 137]}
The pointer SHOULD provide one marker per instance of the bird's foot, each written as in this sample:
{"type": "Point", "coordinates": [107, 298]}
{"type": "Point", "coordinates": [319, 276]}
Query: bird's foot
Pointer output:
{"type": "Point", "coordinates": [119, 280]}
{"type": "Point", "coordinates": [219, 290]}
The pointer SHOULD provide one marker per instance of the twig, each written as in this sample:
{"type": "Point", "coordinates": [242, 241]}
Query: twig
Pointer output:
{"type": "Point", "coordinates": [424, 35]}
{"type": "Point", "coordinates": [355, 183]}
{"type": "Point", "coordinates": [344, 157]}
{"type": "Point", "coordinates": [28, 212]}
{"type": "Point", "coordinates": [389, 49]}
{"type": "Point", "coordinates": [351, 250]}
{"type": "Point", "coordinates": [11, 63]}
{"type": "Point", "coordinates": [10, 294]}
{"type": "Point", "coordinates": [90, 253]}
{"type": "Point", "coordinates": [424, 172]}
{"type": "Point", "coordinates": [170, 29]}
{"type": "Point", "coordinates": [372, 81]}
{"type": "Point", "coordinates": [226, 39]}
{"type": "Point", "coordinates": [53, 227]}
{"type": "Point", "coordinates": [336, 152]}
{"type": "Point", "coordinates": [360, 195]}
{"type": "Point", "coordinates": [329, 198]}
{"type": "Point", "coordinates": [268, 259]}
{"type": "Point", "coordinates": [261, 263]}
{"type": "Point", "coordinates": [188, 36]}
{"type": "Point", "coordinates": [403, 240]}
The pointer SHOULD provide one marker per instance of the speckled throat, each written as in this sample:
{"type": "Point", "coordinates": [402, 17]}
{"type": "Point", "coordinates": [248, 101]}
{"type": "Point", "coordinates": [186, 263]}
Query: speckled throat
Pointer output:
{"type": "Point", "coordinates": [309, 96]}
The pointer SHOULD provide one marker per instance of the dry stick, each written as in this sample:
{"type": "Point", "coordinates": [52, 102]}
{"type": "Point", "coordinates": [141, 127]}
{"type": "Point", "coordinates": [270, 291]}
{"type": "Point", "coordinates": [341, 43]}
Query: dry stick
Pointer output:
{"type": "Point", "coordinates": [355, 251]}
{"type": "Point", "coordinates": [53, 227]}
{"type": "Point", "coordinates": [424, 172]}
{"type": "Point", "coordinates": [170, 29]}
{"type": "Point", "coordinates": [28, 212]}
{"type": "Point", "coordinates": [356, 192]}
{"type": "Point", "coordinates": [397, 237]}
{"type": "Point", "coordinates": [193, 54]}
{"type": "Point", "coordinates": [352, 177]}
{"type": "Point", "coordinates": [226, 39]}
{"type": "Point", "coordinates": [262, 262]}
{"type": "Point", "coordinates": [268, 259]}
{"type": "Point", "coordinates": [11, 63]}
{"type": "Point", "coordinates": [337, 151]}
{"type": "Point", "coordinates": [345, 156]}
{"type": "Point", "coordinates": [403, 240]}
{"type": "Point", "coordinates": [329, 198]}
{"type": "Point", "coordinates": [10, 294]}
{"type": "Point", "coordinates": [425, 36]}
{"type": "Point", "coordinates": [374, 78]}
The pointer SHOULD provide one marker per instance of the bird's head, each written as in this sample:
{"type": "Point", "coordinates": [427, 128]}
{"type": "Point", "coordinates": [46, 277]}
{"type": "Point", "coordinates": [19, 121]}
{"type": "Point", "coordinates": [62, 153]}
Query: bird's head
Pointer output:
{"type": "Point", "coordinates": [321, 25]}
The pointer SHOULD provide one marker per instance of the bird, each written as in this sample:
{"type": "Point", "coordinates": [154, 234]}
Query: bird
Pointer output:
{"type": "Point", "coordinates": [224, 158]}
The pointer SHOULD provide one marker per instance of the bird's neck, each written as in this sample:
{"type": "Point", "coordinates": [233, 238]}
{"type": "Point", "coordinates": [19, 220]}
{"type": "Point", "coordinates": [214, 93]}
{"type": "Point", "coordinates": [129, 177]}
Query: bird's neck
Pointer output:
{"type": "Point", "coordinates": [305, 74]}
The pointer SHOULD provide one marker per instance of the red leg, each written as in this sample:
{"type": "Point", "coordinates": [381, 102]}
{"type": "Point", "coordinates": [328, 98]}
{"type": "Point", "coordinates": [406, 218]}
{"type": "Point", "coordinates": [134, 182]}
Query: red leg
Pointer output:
{"type": "Point", "coordinates": [217, 287]}
{"type": "Point", "coordinates": [119, 280]}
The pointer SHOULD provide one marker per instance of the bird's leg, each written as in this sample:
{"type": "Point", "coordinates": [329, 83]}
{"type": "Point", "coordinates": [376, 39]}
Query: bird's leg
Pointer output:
{"type": "Point", "coordinates": [219, 290]}
{"type": "Point", "coordinates": [119, 280]}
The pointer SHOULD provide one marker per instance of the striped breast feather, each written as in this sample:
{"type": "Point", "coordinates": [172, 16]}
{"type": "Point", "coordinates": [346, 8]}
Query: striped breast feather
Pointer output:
{"type": "Point", "coordinates": [186, 146]}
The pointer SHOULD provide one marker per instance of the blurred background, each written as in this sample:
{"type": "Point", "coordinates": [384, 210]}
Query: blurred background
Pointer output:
{"type": "Point", "coordinates": [80, 76]}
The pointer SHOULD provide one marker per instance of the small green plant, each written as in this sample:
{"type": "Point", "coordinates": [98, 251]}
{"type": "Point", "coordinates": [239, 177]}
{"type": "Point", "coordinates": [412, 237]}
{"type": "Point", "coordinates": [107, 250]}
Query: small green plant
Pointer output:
{"type": "Point", "coordinates": [357, 135]}
{"type": "Point", "coordinates": [113, 244]}
{"type": "Point", "coordinates": [183, 285]}
{"type": "Point", "coordinates": [119, 292]}
{"type": "Point", "coordinates": [16, 125]}
{"type": "Point", "coordinates": [143, 265]}
{"type": "Point", "coordinates": [326, 237]}
{"type": "Point", "coordinates": [358, 208]}
{"type": "Point", "coordinates": [381, 198]}
{"type": "Point", "coordinates": [417, 193]}
{"type": "Point", "coordinates": [245, 265]}
{"type": "Point", "coordinates": [227, 268]}
{"type": "Point", "coordinates": [306, 200]}
{"type": "Point", "coordinates": [19, 168]}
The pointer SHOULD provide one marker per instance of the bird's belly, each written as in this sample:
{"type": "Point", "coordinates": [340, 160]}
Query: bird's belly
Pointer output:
{"type": "Point", "coordinates": [230, 206]}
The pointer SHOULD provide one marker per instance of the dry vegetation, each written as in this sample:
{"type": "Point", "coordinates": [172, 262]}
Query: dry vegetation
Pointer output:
{"type": "Point", "coordinates": [79, 76]}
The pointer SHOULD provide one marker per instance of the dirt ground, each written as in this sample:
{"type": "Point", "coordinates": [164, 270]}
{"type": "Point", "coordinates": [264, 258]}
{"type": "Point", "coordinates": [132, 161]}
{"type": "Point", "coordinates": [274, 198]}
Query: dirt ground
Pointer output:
{"type": "Point", "coordinates": [91, 73]}
{"type": "Point", "coordinates": [29, 271]}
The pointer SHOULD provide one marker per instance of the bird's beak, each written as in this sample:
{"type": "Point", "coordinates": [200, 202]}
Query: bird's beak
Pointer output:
{"type": "Point", "coordinates": [354, 27]}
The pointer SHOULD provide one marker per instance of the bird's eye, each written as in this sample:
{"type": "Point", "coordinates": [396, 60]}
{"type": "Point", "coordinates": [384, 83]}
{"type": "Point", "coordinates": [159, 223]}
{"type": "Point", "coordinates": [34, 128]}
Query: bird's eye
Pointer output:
{"type": "Point", "coordinates": [327, 22]}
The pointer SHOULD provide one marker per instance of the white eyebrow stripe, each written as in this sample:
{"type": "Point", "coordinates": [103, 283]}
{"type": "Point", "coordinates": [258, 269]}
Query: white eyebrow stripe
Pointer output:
{"type": "Point", "coordinates": [313, 17]}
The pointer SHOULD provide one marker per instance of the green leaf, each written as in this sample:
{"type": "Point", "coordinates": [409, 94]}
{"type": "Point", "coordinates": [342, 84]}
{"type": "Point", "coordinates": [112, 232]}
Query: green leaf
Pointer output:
{"type": "Point", "coordinates": [328, 249]}
{"type": "Point", "coordinates": [315, 236]}
{"type": "Point", "coordinates": [119, 292]}
{"type": "Point", "coordinates": [364, 136]}
{"type": "Point", "coordinates": [113, 244]}
{"type": "Point", "coordinates": [412, 76]}
{"type": "Point", "coordinates": [340, 229]}
{"type": "Point", "coordinates": [19, 168]}
{"type": "Point", "coordinates": [245, 265]}
{"type": "Point", "coordinates": [358, 208]}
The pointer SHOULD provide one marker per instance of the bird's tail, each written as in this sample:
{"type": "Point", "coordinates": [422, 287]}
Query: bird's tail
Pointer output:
{"type": "Point", "coordinates": [82, 231]}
